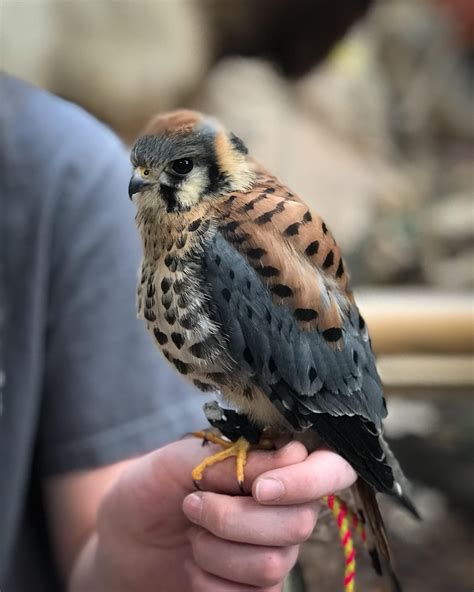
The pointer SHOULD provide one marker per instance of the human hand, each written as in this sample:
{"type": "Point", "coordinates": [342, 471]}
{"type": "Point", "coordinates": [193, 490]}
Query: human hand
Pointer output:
{"type": "Point", "coordinates": [255, 541]}
{"type": "Point", "coordinates": [145, 542]}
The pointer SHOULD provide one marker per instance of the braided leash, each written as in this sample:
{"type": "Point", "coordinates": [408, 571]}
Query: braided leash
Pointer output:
{"type": "Point", "coordinates": [346, 519]}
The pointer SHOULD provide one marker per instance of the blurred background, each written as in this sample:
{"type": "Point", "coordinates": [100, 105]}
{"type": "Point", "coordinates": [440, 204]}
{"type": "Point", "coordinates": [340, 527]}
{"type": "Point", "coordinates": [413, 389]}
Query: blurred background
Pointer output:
{"type": "Point", "coordinates": [366, 108]}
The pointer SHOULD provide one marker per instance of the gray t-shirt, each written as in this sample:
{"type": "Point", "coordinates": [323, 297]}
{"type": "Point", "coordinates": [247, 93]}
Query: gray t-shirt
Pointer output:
{"type": "Point", "coordinates": [81, 383]}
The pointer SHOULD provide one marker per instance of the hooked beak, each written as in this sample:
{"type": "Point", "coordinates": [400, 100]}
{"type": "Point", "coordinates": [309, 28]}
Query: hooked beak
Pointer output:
{"type": "Point", "coordinates": [136, 185]}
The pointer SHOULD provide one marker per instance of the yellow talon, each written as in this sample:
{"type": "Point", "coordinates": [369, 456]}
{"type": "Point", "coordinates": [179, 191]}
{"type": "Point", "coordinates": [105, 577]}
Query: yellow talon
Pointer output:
{"type": "Point", "coordinates": [209, 436]}
{"type": "Point", "coordinates": [239, 449]}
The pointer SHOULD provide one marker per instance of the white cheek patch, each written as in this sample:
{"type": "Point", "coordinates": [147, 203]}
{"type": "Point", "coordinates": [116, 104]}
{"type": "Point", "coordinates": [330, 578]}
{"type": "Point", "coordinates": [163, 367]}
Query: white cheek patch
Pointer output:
{"type": "Point", "coordinates": [192, 187]}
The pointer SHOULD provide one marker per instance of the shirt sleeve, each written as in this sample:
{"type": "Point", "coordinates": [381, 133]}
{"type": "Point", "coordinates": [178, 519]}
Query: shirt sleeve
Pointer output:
{"type": "Point", "coordinates": [108, 394]}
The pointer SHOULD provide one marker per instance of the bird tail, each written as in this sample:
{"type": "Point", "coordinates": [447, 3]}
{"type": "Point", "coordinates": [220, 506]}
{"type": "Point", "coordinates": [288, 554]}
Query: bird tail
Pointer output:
{"type": "Point", "coordinates": [376, 541]}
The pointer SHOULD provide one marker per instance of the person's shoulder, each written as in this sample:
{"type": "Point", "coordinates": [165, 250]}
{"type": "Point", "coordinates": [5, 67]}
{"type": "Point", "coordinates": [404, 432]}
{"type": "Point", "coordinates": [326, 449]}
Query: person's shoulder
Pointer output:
{"type": "Point", "coordinates": [38, 126]}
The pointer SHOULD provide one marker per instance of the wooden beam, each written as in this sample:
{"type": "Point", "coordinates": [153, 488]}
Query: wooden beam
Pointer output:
{"type": "Point", "coordinates": [404, 321]}
{"type": "Point", "coordinates": [431, 372]}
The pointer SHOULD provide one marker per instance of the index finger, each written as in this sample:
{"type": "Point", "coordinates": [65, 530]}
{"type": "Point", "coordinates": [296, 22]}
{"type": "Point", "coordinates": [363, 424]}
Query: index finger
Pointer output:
{"type": "Point", "coordinates": [322, 473]}
{"type": "Point", "coordinates": [222, 478]}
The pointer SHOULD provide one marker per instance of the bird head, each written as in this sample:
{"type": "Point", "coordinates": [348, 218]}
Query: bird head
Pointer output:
{"type": "Point", "coordinates": [184, 157]}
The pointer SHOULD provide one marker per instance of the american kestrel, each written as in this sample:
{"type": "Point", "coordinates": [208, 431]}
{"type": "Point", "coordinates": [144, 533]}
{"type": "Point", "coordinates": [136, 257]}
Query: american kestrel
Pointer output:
{"type": "Point", "coordinates": [245, 291]}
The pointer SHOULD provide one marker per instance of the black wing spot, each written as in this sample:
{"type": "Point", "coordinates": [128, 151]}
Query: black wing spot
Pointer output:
{"type": "Point", "coordinates": [226, 294]}
{"type": "Point", "coordinates": [340, 269]}
{"type": "Point", "coordinates": [312, 248]}
{"type": "Point", "coordinates": [268, 271]}
{"type": "Point", "coordinates": [361, 323]}
{"type": "Point", "coordinates": [217, 260]}
{"type": "Point", "coordinates": [355, 357]}
{"type": "Point", "coordinates": [267, 216]}
{"type": "Point", "coordinates": [248, 285]}
{"type": "Point", "coordinates": [249, 312]}
{"type": "Point", "coordinates": [229, 201]}
{"type": "Point", "coordinates": [305, 314]}
{"type": "Point", "coordinates": [232, 226]}
{"type": "Point", "coordinates": [307, 217]}
{"type": "Point", "coordinates": [324, 228]}
{"type": "Point", "coordinates": [264, 218]}
{"type": "Point", "coordinates": [238, 239]}
{"type": "Point", "coordinates": [332, 334]}
{"type": "Point", "coordinates": [195, 224]}
{"type": "Point", "coordinates": [256, 253]}
{"type": "Point", "coordinates": [329, 261]}
{"type": "Point", "coordinates": [269, 190]}
{"type": "Point", "coordinates": [312, 374]}
{"type": "Point", "coordinates": [282, 291]}
{"type": "Point", "coordinates": [250, 205]}
{"type": "Point", "coordinates": [231, 274]}
{"type": "Point", "coordinates": [292, 229]}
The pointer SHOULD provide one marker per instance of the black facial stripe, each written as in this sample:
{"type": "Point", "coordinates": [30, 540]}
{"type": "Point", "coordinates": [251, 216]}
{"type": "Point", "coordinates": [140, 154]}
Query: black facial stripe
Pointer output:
{"type": "Point", "coordinates": [169, 195]}
{"type": "Point", "coordinates": [217, 179]}
{"type": "Point", "coordinates": [214, 174]}
{"type": "Point", "coordinates": [238, 144]}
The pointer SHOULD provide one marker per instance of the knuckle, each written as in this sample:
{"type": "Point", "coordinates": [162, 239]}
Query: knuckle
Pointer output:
{"type": "Point", "coordinates": [273, 569]}
{"type": "Point", "coordinates": [302, 526]}
{"type": "Point", "coordinates": [219, 520]}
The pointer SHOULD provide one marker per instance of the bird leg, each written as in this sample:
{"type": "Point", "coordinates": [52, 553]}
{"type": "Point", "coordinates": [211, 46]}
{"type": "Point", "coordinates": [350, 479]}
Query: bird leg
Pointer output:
{"type": "Point", "coordinates": [239, 436]}
{"type": "Point", "coordinates": [239, 449]}
{"type": "Point", "coordinates": [211, 435]}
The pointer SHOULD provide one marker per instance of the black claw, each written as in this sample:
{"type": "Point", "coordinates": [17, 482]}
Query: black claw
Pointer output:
{"type": "Point", "coordinates": [197, 485]}
{"type": "Point", "coordinates": [241, 486]}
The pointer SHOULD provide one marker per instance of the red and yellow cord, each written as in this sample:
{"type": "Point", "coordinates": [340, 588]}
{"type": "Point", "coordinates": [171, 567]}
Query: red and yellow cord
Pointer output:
{"type": "Point", "coordinates": [346, 520]}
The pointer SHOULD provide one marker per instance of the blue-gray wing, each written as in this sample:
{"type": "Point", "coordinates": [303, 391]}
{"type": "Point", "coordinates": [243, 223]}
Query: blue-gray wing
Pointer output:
{"type": "Point", "coordinates": [336, 391]}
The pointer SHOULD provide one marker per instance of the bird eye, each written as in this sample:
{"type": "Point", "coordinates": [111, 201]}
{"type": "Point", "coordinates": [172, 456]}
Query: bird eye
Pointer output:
{"type": "Point", "coordinates": [183, 166]}
{"type": "Point", "coordinates": [146, 172]}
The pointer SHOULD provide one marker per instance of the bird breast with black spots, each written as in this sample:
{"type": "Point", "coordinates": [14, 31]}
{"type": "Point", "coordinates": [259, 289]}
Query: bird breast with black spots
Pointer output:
{"type": "Point", "coordinates": [172, 301]}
